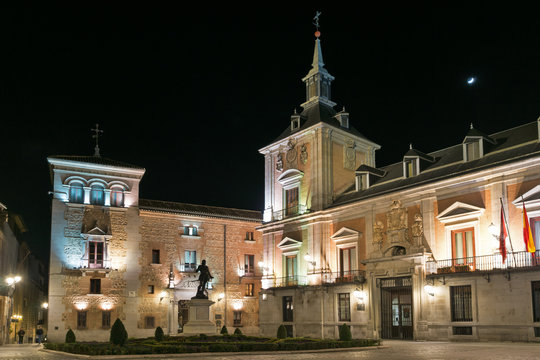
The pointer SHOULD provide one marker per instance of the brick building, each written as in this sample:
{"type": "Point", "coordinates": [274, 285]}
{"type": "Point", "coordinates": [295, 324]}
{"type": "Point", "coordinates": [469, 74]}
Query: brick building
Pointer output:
{"type": "Point", "coordinates": [114, 255]}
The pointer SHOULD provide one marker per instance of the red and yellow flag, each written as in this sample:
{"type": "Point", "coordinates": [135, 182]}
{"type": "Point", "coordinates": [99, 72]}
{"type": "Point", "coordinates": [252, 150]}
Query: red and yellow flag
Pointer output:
{"type": "Point", "coordinates": [527, 233]}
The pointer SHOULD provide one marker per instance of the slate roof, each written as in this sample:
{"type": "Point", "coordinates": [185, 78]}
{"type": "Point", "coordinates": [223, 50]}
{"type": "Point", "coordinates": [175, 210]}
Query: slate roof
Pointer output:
{"type": "Point", "coordinates": [98, 160]}
{"type": "Point", "coordinates": [511, 145]}
{"type": "Point", "coordinates": [315, 114]}
{"type": "Point", "coordinates": [200, 210]}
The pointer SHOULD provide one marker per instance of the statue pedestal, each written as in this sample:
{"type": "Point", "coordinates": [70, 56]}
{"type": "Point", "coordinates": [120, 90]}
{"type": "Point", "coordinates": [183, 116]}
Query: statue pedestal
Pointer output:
{"type": "Point", "coordinates": [199, 318]}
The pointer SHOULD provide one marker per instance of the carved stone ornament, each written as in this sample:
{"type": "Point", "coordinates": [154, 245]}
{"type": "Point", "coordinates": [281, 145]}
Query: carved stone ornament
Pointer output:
{"type": "Point", "coordinates": [397, 216]}
{"type": "Point", "coordinates": [378, 233]}
{"type": "Point", "coordinates": [291, 152]}
{"type": "Point", "coordinates": [279, 162]}
{"type": "Point", "coordinates": [349, 158]}
{"type": "Point", "coordinates": [417, 228]}
{"type": "Point", "coordinates": [303, 154]}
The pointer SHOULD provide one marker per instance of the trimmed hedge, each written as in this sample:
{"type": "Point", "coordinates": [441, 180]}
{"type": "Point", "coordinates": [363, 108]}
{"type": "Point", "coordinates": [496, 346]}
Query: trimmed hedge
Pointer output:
{"type": "Point", "coordinates": [281, 332]}
{"type": "Point", "coordinates": [158, 334]}
{"type": "Point", "coordinates": [70, 336]}
{"type": "Point", "coordinates": [224, 330]}
{"type": "Point", "coordinates": [119, 334]}
{"type": "Point", "coordinates": [187, 345]}
{"type": "Point", "coordinates": [237, 331]}
{"type": "Point", "coordinates": [345, 333]}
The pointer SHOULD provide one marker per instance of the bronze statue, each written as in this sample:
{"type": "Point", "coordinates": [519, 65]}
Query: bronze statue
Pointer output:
{"type": "Point", "coordinates": [203, 279]}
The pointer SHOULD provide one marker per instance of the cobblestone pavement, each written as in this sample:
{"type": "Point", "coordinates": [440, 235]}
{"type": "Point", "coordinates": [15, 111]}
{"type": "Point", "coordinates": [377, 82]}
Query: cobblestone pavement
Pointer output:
{"type": "Point", "coordinates": [402, 350]}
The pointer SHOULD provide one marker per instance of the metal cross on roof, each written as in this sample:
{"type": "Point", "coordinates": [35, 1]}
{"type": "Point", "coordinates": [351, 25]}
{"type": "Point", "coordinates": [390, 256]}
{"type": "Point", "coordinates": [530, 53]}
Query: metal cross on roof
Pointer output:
{"type": "Point", "coordinates": [96, 136]}
{"type": "Point", "coordinates": [316, 18]}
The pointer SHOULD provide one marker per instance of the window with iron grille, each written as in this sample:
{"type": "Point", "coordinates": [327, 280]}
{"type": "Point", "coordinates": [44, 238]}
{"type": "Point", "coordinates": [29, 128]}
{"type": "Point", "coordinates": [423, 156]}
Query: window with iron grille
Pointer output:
{"type": "Point", "coordinates": [461, 303]}
{"type": "Point", "coordinates": [106, 319]}
{"type": "Point", "coordinates": [536, 300]}
{"type": "Point", "coordinates": [149, 322]}
{"type": "Point", "coordinates": [344, 307]}
{"type": "Point", "coordinates": [250, 289]}
{"type": "Point", "coordinates": [237, 318]}
{"type": "Point", "coordinates": [81, 319]}
{"type": "Point", "coordinates": [249, 264]}
{"type": "Point", "coordinates": [287, 308]}
{"type": "Point", "coordinates": [190, 258]}
{"type": "Point", "coordinates": [95, 286]}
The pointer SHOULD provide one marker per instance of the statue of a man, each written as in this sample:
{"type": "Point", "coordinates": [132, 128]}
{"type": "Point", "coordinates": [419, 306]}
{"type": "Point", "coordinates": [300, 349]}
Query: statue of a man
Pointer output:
{"type": "Point", "coordinates": [203, 279]}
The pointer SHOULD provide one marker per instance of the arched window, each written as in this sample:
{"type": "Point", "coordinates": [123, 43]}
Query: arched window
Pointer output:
{"type": "Point", "coordinates": [117, 197]}
{"type": "Point", "coordinates": [76, 193]}
{"type": "Point", "coordinates": [97, 196]}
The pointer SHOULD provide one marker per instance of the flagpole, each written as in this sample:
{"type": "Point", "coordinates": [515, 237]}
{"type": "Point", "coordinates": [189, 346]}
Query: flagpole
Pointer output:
{"type": "Point", "coordinates": [508, 227]}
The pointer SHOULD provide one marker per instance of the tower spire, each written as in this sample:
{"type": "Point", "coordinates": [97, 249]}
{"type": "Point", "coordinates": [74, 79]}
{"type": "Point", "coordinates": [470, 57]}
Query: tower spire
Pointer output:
{"type": "Point", "coordinates": [318, 79]}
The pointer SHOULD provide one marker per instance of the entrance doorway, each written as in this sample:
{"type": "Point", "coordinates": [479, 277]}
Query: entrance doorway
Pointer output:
{"type": "Point", "coordinates": [396, 308]}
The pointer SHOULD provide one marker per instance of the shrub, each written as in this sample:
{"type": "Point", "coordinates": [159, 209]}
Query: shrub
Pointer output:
{"type": "Point", "coordinates": [224, 330]}
{"type": "Point", "coordinates": [203, 336]}
{"type": "Point", "coordinates": [70, 336]}
{"type": "Point", "coordinates": [345, 333]}
{"type": "Point", "coordinates": [281, 332]}
{"type": "Point", "coordinates": [119, 334]}
{"type": "Point", "coordinates": [159, 334]}
{"type": "Point", "coordinates": [237, 331]}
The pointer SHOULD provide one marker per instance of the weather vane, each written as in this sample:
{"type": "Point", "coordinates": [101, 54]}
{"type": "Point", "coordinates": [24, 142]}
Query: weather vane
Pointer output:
{"type": "Point", "coordinates": [316, 18]}
{"type": "Point", "coordinates": [96, 136]}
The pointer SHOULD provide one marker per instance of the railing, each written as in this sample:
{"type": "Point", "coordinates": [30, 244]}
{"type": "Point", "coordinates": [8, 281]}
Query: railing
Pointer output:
{"type": "Point", "coordinates": [520, 259]}
{"type": "Point", "coordinates": [290, 281]}
{"type": "Point", "coordinates": [97, 264]}
{"type": "Point", "coordinates": [290, 211]}
{"type": "Point", "coordinates": [351, 276]}
{"type": "Point", "coordinates": [188, 267]}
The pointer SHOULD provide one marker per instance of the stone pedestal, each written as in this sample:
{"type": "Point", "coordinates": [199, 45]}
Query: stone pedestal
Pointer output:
{"type": "Point", "coordinates": [199, 318]}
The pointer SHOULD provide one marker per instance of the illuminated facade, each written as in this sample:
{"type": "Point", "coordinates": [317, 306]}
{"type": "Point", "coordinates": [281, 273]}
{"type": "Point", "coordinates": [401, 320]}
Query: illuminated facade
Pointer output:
{"type": "Point", "coordinates": [114, 255]}
{"type": "Point", "coordinates": [401, 251]}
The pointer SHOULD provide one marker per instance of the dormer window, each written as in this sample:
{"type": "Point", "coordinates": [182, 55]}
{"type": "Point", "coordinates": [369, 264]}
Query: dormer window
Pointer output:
{"type": "Point", "coordinates": [410, 168]}
{"type": "Point", "coordinates": [472, 150]}
{"type": "Point", "coordinates": [362, 182]}
{"type": "Point", "coordinates": [295, 123]}
{"type": "Point", "coordinates": [343, 118]}
{"type": "Point", "coordinates": [366, 176]}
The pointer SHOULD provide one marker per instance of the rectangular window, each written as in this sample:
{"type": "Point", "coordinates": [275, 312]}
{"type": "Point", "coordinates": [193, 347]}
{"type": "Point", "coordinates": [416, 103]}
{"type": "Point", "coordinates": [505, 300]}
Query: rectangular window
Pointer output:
{"type": "Point", "coordinates": [250, 289]}
{"type": "Point", "coordinates": [410, 168]}
{"type": "Point", "coordinates": [190, 230]}
{"type": "Point", "coordinates": [472, 150]}
{"type": "Point", "coordinates": [190, 258]}
{"type": "Point", "coordinates": [76, 194]}
{"type": "Point", "coordinates": [461, 303]}
{"type": "Point", "coordinates": [290, 269]}
{"type": "Point", "coordinates": [462, 330]}
{"type": "Point", "coordinates": [535, 229]}
{"type": "Point", "coordinates": [95, 254]}
{"type": "Point", "coordinates": [291, 201]}
{"type": "Point", "coordinates": [117, 197]}
{"type": "Point", "coordinates": [149, 322]}
{"type": "Point", "coordinates": [463, 247]}
{"type": "Point", "coordinates": [237, 318]}
{"type": "Point", "coordinates": [81, 319]}
{"type": "Point", "coordinates": [536, 300]}
{"type": "Point", "coordinates": [95, 286]}
{"type": "Point", "coordinates": [347, 263]}
{"type": "Point", "coordinates": [249, 235]}
{"type": "Point", "coordinates": [249, 265]}
{"type": "Point", "coordinates": [155, 256]}
{"type": "Point", "coordinates": [105, 319]}
{"type": "Point", "coordinates": [344, 307]}
{"type": "Point", "coordinates": [150, 289]}
{"type": "Point", "coordinates": [288, 308]}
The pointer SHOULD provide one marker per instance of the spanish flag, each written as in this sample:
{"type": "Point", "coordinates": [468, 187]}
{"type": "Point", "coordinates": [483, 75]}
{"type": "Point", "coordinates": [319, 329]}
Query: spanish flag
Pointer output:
{"type": "Point", "coordinates": [502, 237]}
{"type": "Point", "coordinates": [527, 233]}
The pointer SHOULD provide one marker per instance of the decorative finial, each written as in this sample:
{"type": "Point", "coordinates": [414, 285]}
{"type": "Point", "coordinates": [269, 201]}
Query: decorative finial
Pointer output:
{"type": "Point", "coordinates": [294, 111]}
{"type": "Point", "coordinates": [316, 23]}
{"type": "Point", "coordinates": [410, 146]}
{"type": "Point", "coordinates": [343, 109]}
{"type": "Point", "coordinates": [96, 136]}
{"type": "Point", "coordinates": [471, 126]}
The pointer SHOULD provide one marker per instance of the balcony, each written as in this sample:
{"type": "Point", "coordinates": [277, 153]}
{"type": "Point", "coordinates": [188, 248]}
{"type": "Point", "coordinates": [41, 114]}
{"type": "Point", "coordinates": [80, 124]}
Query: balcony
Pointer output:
{"type": "Point", "coordinates": [289, 212]}
{"type": "Point", "coordinates": [290, 281]}
{"type": "Point", "coordinates": [188, 267]}
{"type": "Point", "coordinates": [96, 264]}
{"type": "Point", "coordinates": [345, 277]}
{"type": "Point", "coordinates": [515, 260]}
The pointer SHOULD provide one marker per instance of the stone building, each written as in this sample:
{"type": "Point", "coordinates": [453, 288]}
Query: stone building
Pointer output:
{"type": "Point", "coordinates": [114, 255]}
{"type": "Point", "coordinates": [402, 251]}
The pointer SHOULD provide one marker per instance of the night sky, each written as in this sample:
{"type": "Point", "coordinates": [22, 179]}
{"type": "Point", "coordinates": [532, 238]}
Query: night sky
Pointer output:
{"type": "Point", "coordinates": [192, 94]}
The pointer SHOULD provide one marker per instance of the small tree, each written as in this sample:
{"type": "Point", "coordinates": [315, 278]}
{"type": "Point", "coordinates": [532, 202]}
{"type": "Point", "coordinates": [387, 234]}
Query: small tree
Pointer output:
{"type": "Point", "coordinates": [159, 334]}
{"type": "Point", "coordinates": [119, 334]}
{"type": "Point", "coordinates": [237, 331]}
{"type": "Point", "coordinates": [224, 330]}
{"type": "Point", "coordinates": [345, 333]}
{"type": "Point", "coordinates": [281, 332]}
{"type": "Point", "coordinates": [70, 336]}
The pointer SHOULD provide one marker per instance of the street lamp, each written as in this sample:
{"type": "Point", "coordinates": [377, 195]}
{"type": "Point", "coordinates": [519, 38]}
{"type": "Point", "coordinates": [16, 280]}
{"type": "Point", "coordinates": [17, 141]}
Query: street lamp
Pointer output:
{"type": "Point", "coordinates": [11, 281]}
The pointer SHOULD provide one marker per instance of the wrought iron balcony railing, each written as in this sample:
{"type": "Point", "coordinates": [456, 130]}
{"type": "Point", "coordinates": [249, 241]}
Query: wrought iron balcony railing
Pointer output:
{"type": "Point", "coordinates": [514, 260]}
{"type": "Point", "coordinates": [188, 267]}
{"type": "Point", "coordinates": [288, 212]}
{"type": "Point", "coordinates": [290, 281]}
{"type": "Point", "coordinates": [352, 276]}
